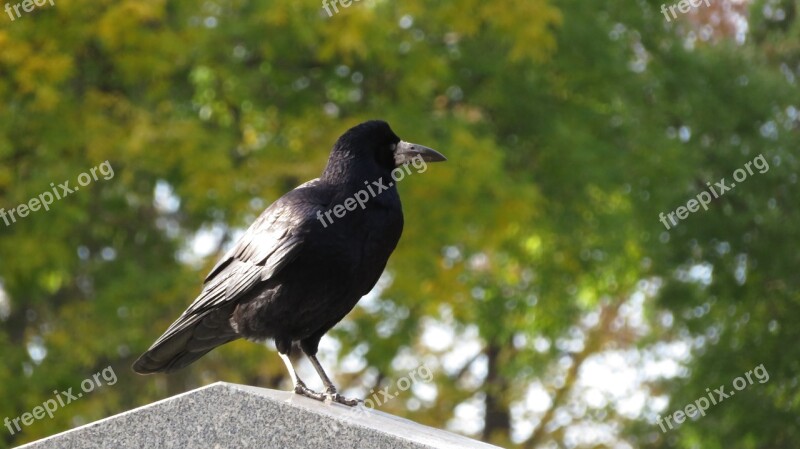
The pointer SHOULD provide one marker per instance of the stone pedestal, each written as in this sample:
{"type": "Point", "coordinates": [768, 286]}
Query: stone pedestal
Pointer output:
{"type": "Point", "coordinates": [224, 416]}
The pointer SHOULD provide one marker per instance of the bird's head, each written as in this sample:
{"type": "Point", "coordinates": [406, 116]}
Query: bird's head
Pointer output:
{"type": "Point", "coordinates": [373, 145]}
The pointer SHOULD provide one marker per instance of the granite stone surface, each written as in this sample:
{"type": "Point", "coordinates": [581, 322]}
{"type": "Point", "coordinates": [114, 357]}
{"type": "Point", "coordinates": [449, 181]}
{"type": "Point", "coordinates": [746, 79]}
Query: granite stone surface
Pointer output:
{"type": "Point", "coordinates": [224, 415]}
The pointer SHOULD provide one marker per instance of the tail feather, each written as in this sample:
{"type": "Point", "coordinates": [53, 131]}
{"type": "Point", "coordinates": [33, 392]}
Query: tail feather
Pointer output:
{"type": "Point", "coordinates": [186, 340]}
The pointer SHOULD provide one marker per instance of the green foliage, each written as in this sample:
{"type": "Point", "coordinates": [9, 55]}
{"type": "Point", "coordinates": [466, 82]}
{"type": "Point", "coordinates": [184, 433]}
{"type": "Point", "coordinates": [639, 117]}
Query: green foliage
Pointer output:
{"type": "Point", "coordinates": [568, 127]}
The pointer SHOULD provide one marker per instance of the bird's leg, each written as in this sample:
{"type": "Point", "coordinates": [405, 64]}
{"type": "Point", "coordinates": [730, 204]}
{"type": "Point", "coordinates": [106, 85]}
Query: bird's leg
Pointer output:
{"type": "Point", "coordinates": [299, 386]}
{"type": "Point", "coordinates": [330, 389]}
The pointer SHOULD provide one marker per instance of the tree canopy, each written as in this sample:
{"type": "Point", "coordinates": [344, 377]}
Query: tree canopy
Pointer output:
{"type": "Point", "coordinates": [535, 279]}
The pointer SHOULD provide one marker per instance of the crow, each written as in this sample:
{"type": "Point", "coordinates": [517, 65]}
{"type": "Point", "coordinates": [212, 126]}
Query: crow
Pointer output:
{"type": "Point", "coordinates": [298, 270]}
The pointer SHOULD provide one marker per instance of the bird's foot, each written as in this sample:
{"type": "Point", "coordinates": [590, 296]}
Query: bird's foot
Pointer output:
{"type": "Point", "coordinates": [332, 396]}
{"type": "Point", "coordinates": [303, 390]}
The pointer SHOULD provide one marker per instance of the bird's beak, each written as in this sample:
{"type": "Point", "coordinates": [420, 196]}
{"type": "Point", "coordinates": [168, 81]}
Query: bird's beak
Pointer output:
{"type": "Point", "coordinates": [406, 151]}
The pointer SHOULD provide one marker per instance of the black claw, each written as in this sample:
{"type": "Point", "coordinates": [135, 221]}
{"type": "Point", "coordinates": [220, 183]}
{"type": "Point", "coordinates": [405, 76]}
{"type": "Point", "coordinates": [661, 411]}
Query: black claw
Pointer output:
{"type": "Point", "coordinates": [333, 396]}
{"type": "Point", "coordinates": [346, 401]}
{"type": "Point", "coordinates": [329, 395]}
{"type": "Point", "coordinates": [302, 390]}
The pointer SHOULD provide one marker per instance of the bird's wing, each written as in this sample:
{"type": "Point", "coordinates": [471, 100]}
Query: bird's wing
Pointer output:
{"type": "Point", "coordinates": [271, 242]}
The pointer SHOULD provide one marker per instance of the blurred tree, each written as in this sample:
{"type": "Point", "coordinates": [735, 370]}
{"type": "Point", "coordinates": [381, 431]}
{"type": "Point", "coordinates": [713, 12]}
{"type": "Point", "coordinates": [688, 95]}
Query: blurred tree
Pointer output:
{"type": "Point", "coordinates": [532, 256]}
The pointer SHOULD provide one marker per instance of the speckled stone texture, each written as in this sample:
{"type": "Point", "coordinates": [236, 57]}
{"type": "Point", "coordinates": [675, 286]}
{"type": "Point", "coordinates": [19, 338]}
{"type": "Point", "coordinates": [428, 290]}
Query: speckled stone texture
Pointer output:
{"type": "Point", "coordinates": [224, 415]}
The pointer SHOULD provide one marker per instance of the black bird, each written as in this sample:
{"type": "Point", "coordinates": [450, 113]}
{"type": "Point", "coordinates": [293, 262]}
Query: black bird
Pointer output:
{"type": "Point", "coordinates": [294, 274]}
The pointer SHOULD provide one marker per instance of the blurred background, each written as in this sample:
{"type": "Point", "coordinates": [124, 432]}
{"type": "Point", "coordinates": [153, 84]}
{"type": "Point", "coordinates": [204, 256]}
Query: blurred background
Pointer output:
{"type": "Point", "coordinates": [534, 278]}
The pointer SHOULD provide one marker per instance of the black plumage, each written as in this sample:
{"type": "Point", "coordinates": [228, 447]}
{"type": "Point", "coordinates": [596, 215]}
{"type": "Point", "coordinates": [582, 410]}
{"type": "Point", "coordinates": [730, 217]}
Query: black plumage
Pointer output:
{"type": "Point", "coordinates": [296, 272]}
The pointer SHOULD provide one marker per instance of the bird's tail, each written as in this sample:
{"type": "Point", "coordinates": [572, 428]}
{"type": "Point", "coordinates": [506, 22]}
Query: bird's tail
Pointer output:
{"type": "Point", "coordinates": [186, 340]}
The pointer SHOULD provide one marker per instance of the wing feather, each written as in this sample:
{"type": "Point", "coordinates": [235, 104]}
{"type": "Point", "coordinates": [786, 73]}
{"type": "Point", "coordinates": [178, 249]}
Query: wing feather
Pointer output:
{"type": "Point", "coordinates": [272, 241]}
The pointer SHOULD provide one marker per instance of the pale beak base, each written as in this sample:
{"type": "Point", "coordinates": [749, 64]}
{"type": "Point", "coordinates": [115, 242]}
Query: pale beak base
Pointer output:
{"type": "Point", "coordinates": [404, 152]}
